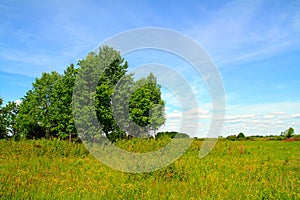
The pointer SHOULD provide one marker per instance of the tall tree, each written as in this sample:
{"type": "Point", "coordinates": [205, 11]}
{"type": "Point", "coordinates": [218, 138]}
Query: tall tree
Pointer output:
{"type": "Point", "coordinates": [120, 104]}
{"type": "Point", "coordinates": [27, 124]}
{"type": "Point", "coordinates": [84, 95]}
{"type": "Point", "coordinates": [61, 108]}
{"type": "Point", "coordinates": [146, 106]}
{"type": "Point", "coordinates": [114, 69]}
{"type": "Point", "coordinates": [35, 113]}
{"type": "Point", "coordinates": [289, 132]}
{"type": "Point", "coordinates": [98, 74]}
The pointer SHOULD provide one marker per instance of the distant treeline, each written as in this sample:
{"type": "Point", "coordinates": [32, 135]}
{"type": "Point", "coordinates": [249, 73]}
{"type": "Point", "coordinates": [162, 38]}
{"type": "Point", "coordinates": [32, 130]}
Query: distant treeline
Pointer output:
{"type": "Point", "coordinates": [287, 134]}
{"type": "Point", "coordinates": [172, 134]}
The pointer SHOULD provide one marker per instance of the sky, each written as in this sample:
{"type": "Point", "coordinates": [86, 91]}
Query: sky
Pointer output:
{"type": "Point", "coordinates": [255, 45]}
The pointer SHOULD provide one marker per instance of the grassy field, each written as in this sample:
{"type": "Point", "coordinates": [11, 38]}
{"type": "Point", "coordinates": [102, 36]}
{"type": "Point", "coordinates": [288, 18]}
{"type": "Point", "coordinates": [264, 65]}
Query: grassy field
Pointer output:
{"type": "Point", "coordinates": [44, 169]}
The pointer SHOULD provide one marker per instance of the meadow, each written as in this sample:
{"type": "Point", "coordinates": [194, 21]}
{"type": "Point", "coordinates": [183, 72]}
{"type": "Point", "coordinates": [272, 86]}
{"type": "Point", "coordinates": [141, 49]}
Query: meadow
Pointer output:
{"type": "Point", "coordinates": [54, 169]}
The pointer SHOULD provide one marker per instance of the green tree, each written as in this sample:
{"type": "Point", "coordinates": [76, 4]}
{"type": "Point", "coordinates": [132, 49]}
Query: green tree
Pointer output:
{"type": "Point", "coordinates": [241, 136]}
{"type": "Point", "coordinates": [26, 122]}
{"type": "Point", "coordinates": [98, 75]}
{"type": "Point", "coordinates": [288, 133]}
{"type": "Point", "coordinates": [231, 137]}
{"type": "Point", "coordinates": [46, 110]}
{"type": "Point", "coordinates": [61, 108]}
{"type": "Point", "coordinates": [84, 95]}
{"type": "Point", "coordinates": [35, 112]}
{"type": "Point", "coordinates": [120, 104]}
{"type": "Point", "coordinates": [95, 90]}
{"type": "Point", "coordinates": [146, 106]}
{"type": "Point", "coordinates": [112, 73]}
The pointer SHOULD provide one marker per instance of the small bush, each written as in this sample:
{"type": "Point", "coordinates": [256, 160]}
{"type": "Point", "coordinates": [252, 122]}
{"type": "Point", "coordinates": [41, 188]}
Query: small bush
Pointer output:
{"type": "Point", "coordinates": [241, 136]}
{"type": "Point", "coordinates": [231, 137]}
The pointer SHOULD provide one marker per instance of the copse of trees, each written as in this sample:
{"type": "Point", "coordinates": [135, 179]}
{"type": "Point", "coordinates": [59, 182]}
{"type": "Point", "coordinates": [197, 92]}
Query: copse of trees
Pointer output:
{"type": "Point", "coordinates": [117, 95]}
{"type": "Point", "coordinates": [46, 110]}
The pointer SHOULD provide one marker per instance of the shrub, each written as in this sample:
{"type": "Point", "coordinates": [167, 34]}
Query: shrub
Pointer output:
{"type": "Point", "coordinates": [231, 137]}
{"type": "Point", "coordinates": [172, 134]}
{"type": "Point", "coordinates": [241, 136]}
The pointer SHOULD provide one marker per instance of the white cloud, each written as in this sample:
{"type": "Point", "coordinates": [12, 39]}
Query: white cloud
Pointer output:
{"type": "Point", "coordinates": [263, 119]}
{"type": "Point", "coordinates": [173, 115]}
{"type": "Point", "coordinates": [271, 118]}
{"type": "Point", "coordinates": [297, 115]}
{"type": "Point", "coordinates": [193, 121]}
{"type": "Point", "coordinates": [268, 117]}
{"type": "Point", "coordinates": [167, 108]}
{"type": "Point", "coordinates": [277, 113]}
{"type": "Point", "coordinates": [235, 117]}
{"type": "Point", "coordinates": [18, 102]}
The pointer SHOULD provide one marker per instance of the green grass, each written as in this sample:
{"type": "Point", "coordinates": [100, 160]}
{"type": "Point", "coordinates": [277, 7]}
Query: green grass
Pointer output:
{"type": "Point", "coordinates": [44, 169]}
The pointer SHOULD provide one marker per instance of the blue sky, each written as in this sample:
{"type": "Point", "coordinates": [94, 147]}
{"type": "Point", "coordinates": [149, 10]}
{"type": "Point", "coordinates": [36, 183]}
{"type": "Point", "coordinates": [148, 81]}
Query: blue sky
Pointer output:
{"type": "Point", "coordinates": [254, 44]}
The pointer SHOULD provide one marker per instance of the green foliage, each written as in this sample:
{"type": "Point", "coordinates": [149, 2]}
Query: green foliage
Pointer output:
{"type": "Point", "coordinates": [231, 137]}
{"type": "Point", "coordinates": [34, 118]}
{"type": "Point", "coordinates": [241, 136]}
{"type": "Point", "coordinates": [114, 91]}
{"type": "Point", "coordinates": [62, 108]}
{"type": "Point", "coordinates": [98, 75]}
{"type": "Point", "coordinates": [113, 72]}
{"type": "Point", "coordinates": [288, 133]}
{"type": "Point", "coordinates": [46, 110]}
{"type": "Point", "coordinates": [172, 134]}
{"type": "Point", "coordinates": [146, 106]}
{"type": "Point", "coordinates": [120, 101]}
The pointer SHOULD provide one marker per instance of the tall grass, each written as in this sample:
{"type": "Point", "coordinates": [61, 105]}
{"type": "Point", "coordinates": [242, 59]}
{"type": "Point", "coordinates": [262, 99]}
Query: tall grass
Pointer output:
{"type": "Point", "coordinates": [43, 169]}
